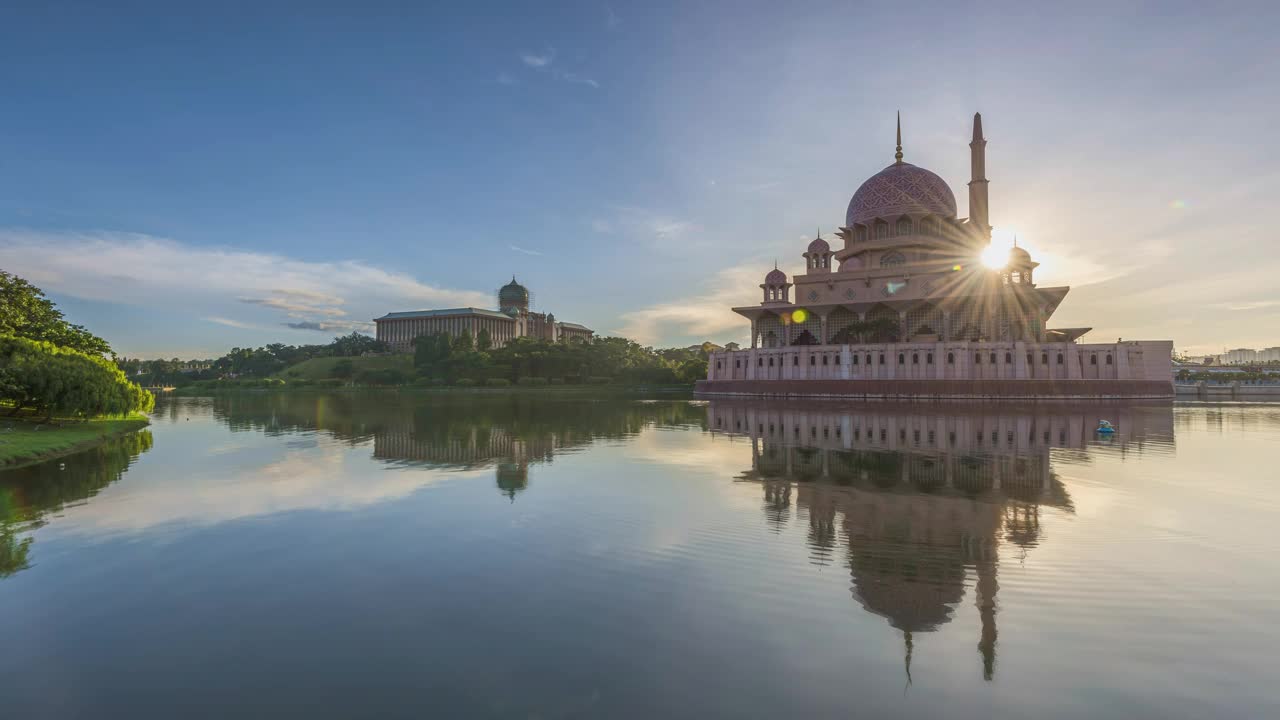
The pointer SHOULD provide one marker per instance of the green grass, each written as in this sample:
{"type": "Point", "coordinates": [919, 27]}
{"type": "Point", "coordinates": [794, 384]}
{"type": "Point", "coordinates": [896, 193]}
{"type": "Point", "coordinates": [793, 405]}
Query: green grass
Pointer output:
{"type": "Point", "coordinates": [25, 441]}
{"type": "Point", "coordinates": [321, 368]}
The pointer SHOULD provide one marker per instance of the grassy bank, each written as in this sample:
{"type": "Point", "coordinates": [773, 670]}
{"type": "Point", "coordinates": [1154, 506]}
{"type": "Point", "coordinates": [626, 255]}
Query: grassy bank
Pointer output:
{"type": "Point", "coordinates": [23, 441]}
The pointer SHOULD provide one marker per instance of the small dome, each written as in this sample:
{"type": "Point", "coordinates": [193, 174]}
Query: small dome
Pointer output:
{"type": "Point", "coordinates": [897, 190]}
{"type": "Point", "coordinates": [1017, 254]}
{"type": "Point", "coordinates": [775, 277]}
{"type": "Point", "coordinates": [819, 246]}
{"type": "Point", "coordinates": [511, 310]}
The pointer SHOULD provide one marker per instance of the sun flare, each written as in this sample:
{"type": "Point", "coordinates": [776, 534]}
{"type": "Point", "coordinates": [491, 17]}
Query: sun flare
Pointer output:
{"type": "Point", "coordinates": [997, 253]}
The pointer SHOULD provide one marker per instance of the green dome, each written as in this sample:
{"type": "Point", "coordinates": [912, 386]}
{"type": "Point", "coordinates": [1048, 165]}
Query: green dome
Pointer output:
{"type": "Point", "coordinates": [513, 294]}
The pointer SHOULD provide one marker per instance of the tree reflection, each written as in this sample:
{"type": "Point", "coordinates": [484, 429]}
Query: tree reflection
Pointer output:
{"type": "Point", "coordinates": [28, 495]}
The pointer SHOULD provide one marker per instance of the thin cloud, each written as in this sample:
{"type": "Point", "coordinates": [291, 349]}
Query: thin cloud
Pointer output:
{"type": "Point", "coordinates": [544, 64]}
{"type": "Point", "coordinates": [579, 79]}
{"type": "Point", "coordinates": [703, 316]}
{"type": "Point", "coordinates": [232, 323]}
{"type": "Point", "coordinates": [1247, 306]}
{"type": "Point", "coordinates": [322, 326]}
{"type": "Point", "coordinates": [525, 251]}
{"type": "Point", "coordinates": [505, 78]}
{"type": "Point", "coordinates": [538, 61]}
{"type": "Point", "coordinates": [137, 269]}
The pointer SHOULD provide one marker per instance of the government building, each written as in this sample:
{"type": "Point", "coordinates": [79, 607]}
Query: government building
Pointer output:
{"type": "Point", "coordinates": [511, 320]}
{"type": "Point", "coordinates": [903, 306]}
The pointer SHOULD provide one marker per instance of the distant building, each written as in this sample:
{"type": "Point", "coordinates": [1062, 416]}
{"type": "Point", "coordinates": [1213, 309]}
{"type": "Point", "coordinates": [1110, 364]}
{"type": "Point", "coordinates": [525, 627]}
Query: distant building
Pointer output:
{"type": "Point", "coordinates": [511, 320]}
{"type": "Point", "coordinates": [1239, 356]}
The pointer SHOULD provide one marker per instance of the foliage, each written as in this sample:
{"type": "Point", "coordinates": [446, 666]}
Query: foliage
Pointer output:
{"type": "Point", "coordinates": [247, 362]}
{"type": "Point", "coordinates": [26, 313]}
{"type": "Point", "coordinates": [45, 378]}
{"type": "Point", "coordinates": [497, 382]}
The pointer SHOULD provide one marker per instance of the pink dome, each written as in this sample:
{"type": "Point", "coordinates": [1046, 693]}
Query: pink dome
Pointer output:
{"type": "Point", "coordinates": [897, 190]}
{"type": "Point", "coordinates": [819, 246]}
{"type": "Point", "coordinates": [775, 277]}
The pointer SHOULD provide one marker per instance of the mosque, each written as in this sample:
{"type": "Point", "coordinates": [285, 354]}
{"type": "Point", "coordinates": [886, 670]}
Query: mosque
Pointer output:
{"type": "Point", "coordinates": [511, 320]}
{"type": "Point", "coordinates": [904, 307]}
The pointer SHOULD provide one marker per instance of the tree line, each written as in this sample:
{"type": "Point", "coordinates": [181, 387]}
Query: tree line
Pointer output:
{"type": "Point", "coordinates": [261, 362]}
{"type": "Point", "coordinates": [458, 358]}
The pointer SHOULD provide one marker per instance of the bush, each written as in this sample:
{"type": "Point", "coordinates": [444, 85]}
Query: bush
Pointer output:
{"type": "Point", "coordinates": [465, 382]}
{"type": "Point", "coordinates": [329, 383]}
{"type": "Point", "coordinates": [599, 380]}
{"type": "Point", "coordinates": [385, 376]}
{"type": "Point", "coordinates": [497, 382]}
{"type": "Point", "coordinates": [60, 381]}
{"type": "Point", "coordinates": [532, 381]}
{"type": "Point", "coordinates": [557, 381]}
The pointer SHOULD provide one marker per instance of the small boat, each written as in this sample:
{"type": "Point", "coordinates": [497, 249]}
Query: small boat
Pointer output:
{"type": "Point", "coordinates": [1105, 427]}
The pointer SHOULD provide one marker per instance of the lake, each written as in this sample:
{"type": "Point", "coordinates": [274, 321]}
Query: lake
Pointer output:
{"type": "Point", "coordinates": [544, 556]}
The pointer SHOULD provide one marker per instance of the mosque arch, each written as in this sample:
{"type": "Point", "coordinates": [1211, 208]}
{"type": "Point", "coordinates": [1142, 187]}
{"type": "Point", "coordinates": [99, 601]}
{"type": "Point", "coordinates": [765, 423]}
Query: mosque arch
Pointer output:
{"type": "Point", "coordinates": [892, 259]}
{"type": "Point", "coordinates": [904, 226]}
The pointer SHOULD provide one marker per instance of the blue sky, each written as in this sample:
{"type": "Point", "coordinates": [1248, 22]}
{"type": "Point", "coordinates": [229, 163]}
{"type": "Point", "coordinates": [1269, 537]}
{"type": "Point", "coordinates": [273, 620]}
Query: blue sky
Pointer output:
{"type": "Point", "coordinates": [186, 179]}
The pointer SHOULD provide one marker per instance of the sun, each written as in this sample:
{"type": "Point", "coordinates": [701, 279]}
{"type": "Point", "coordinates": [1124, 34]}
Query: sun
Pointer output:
{"type": "Point", "coordinates": [997, 253]}
{"type": "Point", "coordinates": [995, 256]}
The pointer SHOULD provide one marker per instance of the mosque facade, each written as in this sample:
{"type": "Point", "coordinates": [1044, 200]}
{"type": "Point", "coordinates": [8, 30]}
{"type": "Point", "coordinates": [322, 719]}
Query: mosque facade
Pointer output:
{"type": "Point", "coordinates": [901, 305]}
{"type": "Point", "coordinates": [511, 320]}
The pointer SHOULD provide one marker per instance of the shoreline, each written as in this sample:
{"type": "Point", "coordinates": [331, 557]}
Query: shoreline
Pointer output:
{"type": "Point", "coordinates": [21, 444]}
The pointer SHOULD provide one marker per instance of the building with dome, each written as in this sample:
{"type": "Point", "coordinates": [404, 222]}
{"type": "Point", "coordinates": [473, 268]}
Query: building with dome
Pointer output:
{"type": "Point", "coordinates": [511, 320]}
{"type": "Point", "coordinates": [899, 304]}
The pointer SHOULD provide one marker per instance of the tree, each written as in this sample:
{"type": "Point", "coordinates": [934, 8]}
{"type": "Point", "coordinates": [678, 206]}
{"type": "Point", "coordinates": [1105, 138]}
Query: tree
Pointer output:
{"type": "Point", "coordinates": [26, 313]}
{"type": "Point", "coordinates": [343, 369]}
{"type": "Point", "coordinates": [484, 342]}
{"type": "Point", "coordinates": [356, 344]}
{"type": "Point", "coordinates": [53, 380]}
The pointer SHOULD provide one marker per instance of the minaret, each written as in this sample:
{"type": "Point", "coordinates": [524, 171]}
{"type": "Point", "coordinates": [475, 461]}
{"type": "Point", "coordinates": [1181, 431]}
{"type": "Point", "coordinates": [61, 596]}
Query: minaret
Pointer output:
{"type": "Point", "coordinates": [897, 155]}
{"type": "Point", "coordinates": [978, 216]}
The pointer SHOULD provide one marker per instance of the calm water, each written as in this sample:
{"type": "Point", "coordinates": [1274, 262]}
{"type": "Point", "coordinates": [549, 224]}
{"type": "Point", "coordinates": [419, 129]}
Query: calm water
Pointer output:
{"type": "Point", "coordinates": [388, 556]}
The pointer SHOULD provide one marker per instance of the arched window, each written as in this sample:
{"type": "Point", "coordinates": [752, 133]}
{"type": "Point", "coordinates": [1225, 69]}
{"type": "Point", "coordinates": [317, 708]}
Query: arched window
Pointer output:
{"type": "Point", "coordinates": [993, 358]}
{"type": "Point", "coordinates": [951, 358]}
{"type": "Point", "coordinates": [927, 227]}
{"type": "Point", "coordinates": [770, 362]}
{"type": "Point", "coordinates": [904, 226]}
{"type": "Point", "coordinates": [737, 363]}
{"type": "Point", "coordinates": [795, 360]}
{"type": "Point", "coordinates": [1008, 358]}
{"type": "Point", "coordinates": [760, 362]}
{"type": "Point", "coordinates": [860, 234]}
{"type": "Point", "coordinates": [717, 364]}
{"type": "Point", "coordinates": [928, 358]}
{"type": "Point", "coordinates": [881, 358]}
{"type": "Point", "coordinates": [1108, 359]}
{"type": "Point", "coordinates": [882, 230]}
{"type": "Point", "coordinates": [855, 359]}
{"type": "Point", "coordinates": [902, 359]}
{"type": "Point", "coordinates": [1093, 359]}
{"type": "Point", "coordinates": [915, 358]}
{"type": "Point", "coordinates": [892, 259]}
{"type": "Point", "coordinates": [1059, 358]}
{"type": "Point", "coordinates": [977, 358]}
{"type": "Point", "coordinates": [825, 360]}
{"type": "Point", "coordinates": [1044, 358]}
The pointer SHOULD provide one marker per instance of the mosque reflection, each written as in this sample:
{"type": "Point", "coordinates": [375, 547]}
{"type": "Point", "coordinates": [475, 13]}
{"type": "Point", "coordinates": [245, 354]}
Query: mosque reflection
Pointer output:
{"type": "Point", "coordinates": [920, 502]}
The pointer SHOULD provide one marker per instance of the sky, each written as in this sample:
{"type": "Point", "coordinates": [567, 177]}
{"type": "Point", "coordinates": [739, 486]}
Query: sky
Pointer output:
{"type": "Point", "coordinates": [185, 178]}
